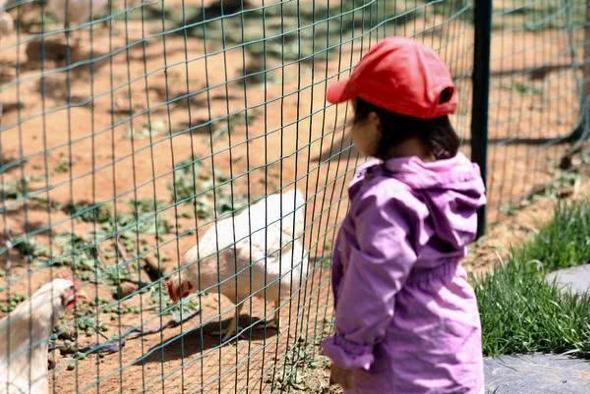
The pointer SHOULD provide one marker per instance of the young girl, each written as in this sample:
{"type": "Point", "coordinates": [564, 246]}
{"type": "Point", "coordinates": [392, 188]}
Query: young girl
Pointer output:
{"type": "Point", "coordinates": [406, 317]}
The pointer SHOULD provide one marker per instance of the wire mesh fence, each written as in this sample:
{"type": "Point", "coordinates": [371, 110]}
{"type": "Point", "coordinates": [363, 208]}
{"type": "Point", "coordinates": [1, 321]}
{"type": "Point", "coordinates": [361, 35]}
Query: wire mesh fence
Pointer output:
{"type": "Point", "coordinates": [134, 132]}
{"type": "Point", "coordinates": [535, 90]}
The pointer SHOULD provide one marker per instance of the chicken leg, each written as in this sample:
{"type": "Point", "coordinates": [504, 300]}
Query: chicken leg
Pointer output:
{"type": "Point", "coordinates": [232, 328]}
{"type": "Point", "coordinates": [274, 323]}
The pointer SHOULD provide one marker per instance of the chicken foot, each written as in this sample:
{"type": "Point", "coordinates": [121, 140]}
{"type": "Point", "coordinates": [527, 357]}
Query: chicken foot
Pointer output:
{"type": "Point", "coordinates": [274, 323]}
{"type": "Point", "coordinates": [232, 328]}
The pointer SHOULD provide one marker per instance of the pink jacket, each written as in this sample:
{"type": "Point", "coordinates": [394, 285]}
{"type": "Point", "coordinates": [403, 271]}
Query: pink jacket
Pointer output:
{"type": "Point", "coordinates": [406, 317]}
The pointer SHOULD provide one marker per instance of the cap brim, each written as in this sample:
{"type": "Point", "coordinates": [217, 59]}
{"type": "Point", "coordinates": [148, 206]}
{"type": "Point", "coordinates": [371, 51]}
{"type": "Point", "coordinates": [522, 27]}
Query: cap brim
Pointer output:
{"type": "Point", "coordinates": [339, 92]}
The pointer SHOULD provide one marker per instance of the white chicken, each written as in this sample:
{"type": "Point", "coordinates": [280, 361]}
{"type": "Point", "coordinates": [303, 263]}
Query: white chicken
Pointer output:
{"type": "Point", "coordinates": [268, 260]}
{"type": "Point", "coordinates": [24, 335]}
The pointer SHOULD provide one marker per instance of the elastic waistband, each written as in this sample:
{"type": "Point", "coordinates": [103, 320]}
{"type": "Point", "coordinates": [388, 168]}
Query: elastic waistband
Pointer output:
{"type": "Point", "coordinates": [443, 272]}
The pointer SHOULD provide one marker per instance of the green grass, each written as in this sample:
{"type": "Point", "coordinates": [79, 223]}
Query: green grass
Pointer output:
{"type": "Point", "coordinates": [63, 165]}
{"type": "Point", "coordinates": [200, 190]}
{"type": "Point", "coordinates": [565, 241]}
{"type": "Point", "coordinates": [88, 212]}
{"type": "Point", "coordinates": [303, 369]}
{"type": "Point", "coordinates": [11, 302]}
{"type": "Point", "coordinates": [75, 252]}
{"type": "Point", "coordinates": [520, 312]}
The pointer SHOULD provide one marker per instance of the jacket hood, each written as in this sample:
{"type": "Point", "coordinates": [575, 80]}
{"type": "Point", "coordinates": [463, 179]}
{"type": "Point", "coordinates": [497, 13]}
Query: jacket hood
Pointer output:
{"type": "Point", "coordinates": [452, 189]}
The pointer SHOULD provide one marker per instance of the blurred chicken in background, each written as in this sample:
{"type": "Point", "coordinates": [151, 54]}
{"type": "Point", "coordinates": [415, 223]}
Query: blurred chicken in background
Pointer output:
{"type": "Point", "coordinates": [24, 336]}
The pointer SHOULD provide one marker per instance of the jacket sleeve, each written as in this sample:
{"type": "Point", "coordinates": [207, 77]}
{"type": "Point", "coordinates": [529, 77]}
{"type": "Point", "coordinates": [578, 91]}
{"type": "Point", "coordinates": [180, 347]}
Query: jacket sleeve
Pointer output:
{"type": "Point", "coordinates": [381, 258]}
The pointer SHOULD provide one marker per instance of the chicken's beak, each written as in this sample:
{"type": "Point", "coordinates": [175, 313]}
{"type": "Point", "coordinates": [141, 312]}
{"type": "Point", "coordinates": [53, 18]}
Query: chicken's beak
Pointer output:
{"type": "Point", "coordinates": [72, 296]}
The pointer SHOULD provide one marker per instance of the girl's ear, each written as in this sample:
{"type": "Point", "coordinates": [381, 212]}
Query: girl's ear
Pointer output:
{"type": "Point", "coordinates": [375, 122]}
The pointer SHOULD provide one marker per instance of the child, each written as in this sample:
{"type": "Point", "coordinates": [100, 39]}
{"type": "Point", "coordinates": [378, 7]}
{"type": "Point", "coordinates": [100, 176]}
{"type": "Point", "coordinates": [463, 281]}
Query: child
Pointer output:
{"type": "Point", "coordinates": [406, 317]}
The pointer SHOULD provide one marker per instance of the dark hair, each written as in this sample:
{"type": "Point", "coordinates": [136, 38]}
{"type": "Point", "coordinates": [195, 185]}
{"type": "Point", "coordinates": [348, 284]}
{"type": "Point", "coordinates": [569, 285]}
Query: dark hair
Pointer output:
{"type": "Point", "coordinates": [437, 135]}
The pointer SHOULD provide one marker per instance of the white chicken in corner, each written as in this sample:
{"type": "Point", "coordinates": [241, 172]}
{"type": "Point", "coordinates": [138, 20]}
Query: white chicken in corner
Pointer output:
{"type": "Point", "coordinates": [23, 363]}
{"type": "Point", "coordinates": [269, 260]}
{"type": "Point", "coordinates": [6, 22]}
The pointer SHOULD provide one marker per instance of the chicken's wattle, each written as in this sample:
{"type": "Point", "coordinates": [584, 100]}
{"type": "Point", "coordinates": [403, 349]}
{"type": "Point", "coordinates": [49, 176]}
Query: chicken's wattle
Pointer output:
{"type": "Point", "coordinates": [171, 291]}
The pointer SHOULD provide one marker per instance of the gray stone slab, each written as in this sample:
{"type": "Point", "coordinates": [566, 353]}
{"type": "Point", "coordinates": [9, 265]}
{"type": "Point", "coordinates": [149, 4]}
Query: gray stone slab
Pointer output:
{"type": "Point", "coordinates": [575, 279]}
{"type": "Point", "coordinates": [537, 373]}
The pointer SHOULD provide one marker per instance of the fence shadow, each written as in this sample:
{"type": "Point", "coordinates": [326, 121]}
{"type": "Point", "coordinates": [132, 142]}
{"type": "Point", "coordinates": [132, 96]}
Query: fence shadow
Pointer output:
{"type": "Point", "coordinates": [201, 339]}
{"type": "Point", "coordinates": [214, 10]}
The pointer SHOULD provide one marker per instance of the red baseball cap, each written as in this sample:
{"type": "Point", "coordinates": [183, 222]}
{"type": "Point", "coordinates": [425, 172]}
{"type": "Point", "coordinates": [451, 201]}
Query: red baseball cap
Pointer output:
{"type": "Point", "coordinates": [402, 76]}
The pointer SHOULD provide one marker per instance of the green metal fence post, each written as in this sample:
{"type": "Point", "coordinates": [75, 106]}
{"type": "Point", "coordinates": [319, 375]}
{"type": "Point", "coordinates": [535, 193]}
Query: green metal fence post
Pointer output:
{"type": "Point", "coordinates": [481, 87]}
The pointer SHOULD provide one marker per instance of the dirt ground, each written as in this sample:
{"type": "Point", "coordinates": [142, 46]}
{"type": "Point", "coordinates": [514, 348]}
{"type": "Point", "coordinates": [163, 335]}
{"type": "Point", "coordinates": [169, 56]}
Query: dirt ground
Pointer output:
{"type": "Point", "coordinates": [110, 131]}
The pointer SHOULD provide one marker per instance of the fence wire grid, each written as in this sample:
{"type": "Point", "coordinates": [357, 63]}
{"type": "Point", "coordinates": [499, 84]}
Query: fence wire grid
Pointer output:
{"type": "Point", "coordinates": [133, 131]}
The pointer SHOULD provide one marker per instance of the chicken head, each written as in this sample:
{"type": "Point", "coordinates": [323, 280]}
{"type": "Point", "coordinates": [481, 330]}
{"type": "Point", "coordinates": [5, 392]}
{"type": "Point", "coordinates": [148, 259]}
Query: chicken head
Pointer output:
{"type": "Point", "coordinates": [179, 288]}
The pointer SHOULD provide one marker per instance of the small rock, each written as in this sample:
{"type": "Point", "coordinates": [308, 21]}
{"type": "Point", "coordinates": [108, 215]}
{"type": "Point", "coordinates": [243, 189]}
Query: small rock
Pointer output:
{"type": "Point", "coordinates": [122, 106]}
{"type": "Point", "coordinates": [71, 366]}
{"type": "Point", "coordinates": [565, 192]}
{"type": "Point", "coordinates": [10, 107]}
{"type": "Point", "coordinates": [68, 347]}
{"type": "Point", "coordinates": [569, 162]}
{"type": "Point", "coordinates": [124, 290]}
{"type": "Point", "coordinates": [565, 163]}
{"type": "Point", "coordinates": [69, 335]}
